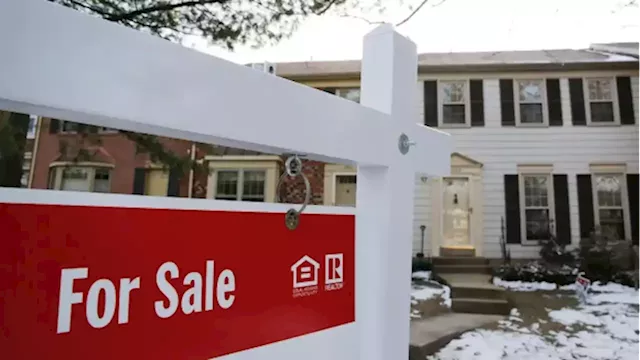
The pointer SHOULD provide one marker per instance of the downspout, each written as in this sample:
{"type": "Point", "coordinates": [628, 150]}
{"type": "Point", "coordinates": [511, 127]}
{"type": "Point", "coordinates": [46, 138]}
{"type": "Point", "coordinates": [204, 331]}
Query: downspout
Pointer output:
{"type": "Point", "coordinates": [34, 152]}
{"type": "Point", "coordinates": [191, 172]}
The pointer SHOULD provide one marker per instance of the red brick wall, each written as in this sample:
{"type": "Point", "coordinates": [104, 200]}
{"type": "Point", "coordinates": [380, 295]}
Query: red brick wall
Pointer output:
{"type": "Point", "coordinates": [292, 189]}
{"type": "Point", "coordinates": [120, 148]}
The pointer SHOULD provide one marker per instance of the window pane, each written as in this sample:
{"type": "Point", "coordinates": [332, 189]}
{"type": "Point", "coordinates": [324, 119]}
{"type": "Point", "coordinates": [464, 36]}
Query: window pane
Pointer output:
{"type": "Point", "coordinates": [599, 89]}
{"type": "Point", "coordinates": [347, 179]}
{"type": "Point", "coordinates": [536, 191]}
{"type": "Point", "coordinates": [609, 190]}
{"type": "Point", "coordinates": [227, 186]}
{"type": "Point", "coordinates": [352, 94]}
{"type": "Point", "coordinates": [31, 132]}
{"type": "Point", "coordinates": [453, 114]}
{"type": "Point", "coordinates": [601, 112]}
{"type": "Point", "coordinates": [24, 179]}
{"type": "Point", "coordinates": [537, 222]}
{"type": "Point", "coordinates": [101, 181]}
{"type": "Point", "coordinates": [530, 90]}
{"type": "Point", "coordinates": [453, 92]}
{"type": "Point", "coordinates": [253, 186]}
{"type": "Point", "coordinates": [612, 224]}
{"type": "Point", "coordinates": [67, 126]}
{"type": "Point", "coordinates": [75, 179]}
{"type": "Point", "coordinates": [531, 113]}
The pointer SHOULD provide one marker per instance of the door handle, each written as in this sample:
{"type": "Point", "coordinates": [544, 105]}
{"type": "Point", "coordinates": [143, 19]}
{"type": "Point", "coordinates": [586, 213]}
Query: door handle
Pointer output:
{"type": "Point", "coordinates": [470, 210]}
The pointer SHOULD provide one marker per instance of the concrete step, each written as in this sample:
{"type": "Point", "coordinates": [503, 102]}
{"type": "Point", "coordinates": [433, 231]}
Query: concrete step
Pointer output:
{"type": "Point", "coordinates": [480, 306]}
{"type": "Point", "coordinates": [462, 269]}
{"type": "Point", "coordinates": [431, 334]}
{"type": "Point", "coordinates": [457, 252]}
{"type": "Point", "coordinates": [458, 260]}
{"type": "Point", "coordinates": [477, 292]}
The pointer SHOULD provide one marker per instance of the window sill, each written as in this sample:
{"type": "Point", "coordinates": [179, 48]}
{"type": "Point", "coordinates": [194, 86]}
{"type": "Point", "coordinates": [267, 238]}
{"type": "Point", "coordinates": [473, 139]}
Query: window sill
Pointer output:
{"type": "Point", "coordinates": [532, 125]}
{"type": "Point", "coordinates": [454, 126]}
{"type": "Point", "coordinates": [603, 124]}
{"type": "Point", "coordinates": [530, 243]}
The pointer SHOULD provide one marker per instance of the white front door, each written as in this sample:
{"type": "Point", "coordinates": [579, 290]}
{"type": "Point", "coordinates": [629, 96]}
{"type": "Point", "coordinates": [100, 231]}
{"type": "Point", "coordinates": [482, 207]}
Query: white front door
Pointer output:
{"type": "Point", "coordinates": [456, 212]}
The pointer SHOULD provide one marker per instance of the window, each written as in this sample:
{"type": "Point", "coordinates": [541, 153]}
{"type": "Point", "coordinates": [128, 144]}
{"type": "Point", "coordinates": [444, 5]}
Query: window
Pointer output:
{"type": "Point", "coordinates": [352, 94]}
{"type": "Point", "coordinates": [537, 211]}
{"type": "Point", "coordinates": [80, 178]}
{"type": "Point", "coordinates": [600, 101]}
{"type": "Point", "coordinates": [454, 99]}
{"type": "Point", "coordinates": [244, 185]}
{"type": "Point", "coordinates": [72, 127]}
{"type": "Point", "coordinates": [609, 206]}
{"type": "Point", "coordinates": [530, 95]}
{"type": "Point", "coordinates": [26, 169]}
{"type": "Point", "coordinates": [31, 132]}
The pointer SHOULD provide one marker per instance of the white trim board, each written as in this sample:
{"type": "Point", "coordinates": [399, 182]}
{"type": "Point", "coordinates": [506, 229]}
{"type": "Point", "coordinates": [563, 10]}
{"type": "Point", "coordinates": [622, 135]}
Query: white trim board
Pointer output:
{"type": "Point", "coordinates": [78, 198]}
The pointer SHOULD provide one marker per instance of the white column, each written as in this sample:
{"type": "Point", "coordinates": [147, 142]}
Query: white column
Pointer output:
{"type": "Point", "coordinates": [384, 217]}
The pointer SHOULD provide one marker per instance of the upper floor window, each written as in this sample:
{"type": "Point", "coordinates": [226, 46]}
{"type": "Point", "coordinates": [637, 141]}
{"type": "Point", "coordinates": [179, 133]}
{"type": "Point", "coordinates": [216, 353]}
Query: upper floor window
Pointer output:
{"type": "Point", "coordinates": [352, 94]}
{"type": "Point", "coordinates": [71, 127]}
{"type": "Point", "coordinates": [454, 95]}
{"type": "Point", "coordinates": [31, 131]}
{"type": "Point", "coordinates": [530, 108]}
{"type": "Point", "coordinates": [600, 101]}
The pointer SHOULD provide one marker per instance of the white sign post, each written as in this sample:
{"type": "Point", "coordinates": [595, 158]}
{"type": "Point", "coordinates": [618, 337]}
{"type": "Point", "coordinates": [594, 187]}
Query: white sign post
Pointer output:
{"type": "Point", "coordinates": [61, 63]}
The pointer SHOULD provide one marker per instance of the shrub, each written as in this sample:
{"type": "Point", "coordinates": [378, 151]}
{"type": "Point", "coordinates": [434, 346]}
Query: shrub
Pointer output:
{"type": "Point", "coordinates": [536, 272]}
{"type": "Point", "coordinates": [421, 264]}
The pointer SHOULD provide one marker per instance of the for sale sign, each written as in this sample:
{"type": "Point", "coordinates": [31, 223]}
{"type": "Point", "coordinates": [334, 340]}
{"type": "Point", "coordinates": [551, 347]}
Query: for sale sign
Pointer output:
{"type": "Point", "coordinates": [80, 282]}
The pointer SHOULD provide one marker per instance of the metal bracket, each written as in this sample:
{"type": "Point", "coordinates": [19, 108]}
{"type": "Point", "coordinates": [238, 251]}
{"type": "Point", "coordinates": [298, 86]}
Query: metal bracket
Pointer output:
{"type": "Point", "coordinates": [404, 144]}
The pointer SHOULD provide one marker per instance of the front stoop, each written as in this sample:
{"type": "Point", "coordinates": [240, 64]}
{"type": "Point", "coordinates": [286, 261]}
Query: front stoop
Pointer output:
{"type": "Point", "coordinates": [431, 334]}
{"type": "Point", "coordinates": [471, 287]}
{"type": "Point", "coordinates": [457, 252]}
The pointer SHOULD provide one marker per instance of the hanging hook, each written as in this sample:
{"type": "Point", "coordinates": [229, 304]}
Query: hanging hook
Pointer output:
{"type": "Point", "coordinates": [293, 168]}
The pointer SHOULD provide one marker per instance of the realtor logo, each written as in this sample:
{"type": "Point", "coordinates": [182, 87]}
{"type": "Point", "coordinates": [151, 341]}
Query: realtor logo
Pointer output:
{"type": "Point", "coordinates": [305, 276]}
{"type": "Point", "coordinates": [333, 271]}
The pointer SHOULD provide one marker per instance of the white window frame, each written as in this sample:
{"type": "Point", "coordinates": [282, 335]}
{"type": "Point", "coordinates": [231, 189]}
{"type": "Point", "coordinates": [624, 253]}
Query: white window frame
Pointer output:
{"type": "Point", "coordinates": [31, 132]}
{"type": "Point", "coordinates": [335, 177]}
{"type": "Point", "coordinates": [539, 170]}
{"type": "Point", "coordinates": [347, 88]}
{"type": "Point", "coordinates": [59, 167]}
{"type": "Point", "coordinates": [240, 185]}
{"type": "Point", "coordinates": [616, 170]}
{"type": "Point", "coordinates": [588, 101]}
{"type": "Point", "coordinates": [466, 103]}
{"type": "Point", "coordinates": [517, 102]}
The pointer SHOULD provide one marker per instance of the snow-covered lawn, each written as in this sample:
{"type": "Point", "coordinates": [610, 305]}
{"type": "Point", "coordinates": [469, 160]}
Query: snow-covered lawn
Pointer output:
{"type": "Point", "coordinates": [424, 290]}
{"type": "Point", "coordinates": [605, 328]}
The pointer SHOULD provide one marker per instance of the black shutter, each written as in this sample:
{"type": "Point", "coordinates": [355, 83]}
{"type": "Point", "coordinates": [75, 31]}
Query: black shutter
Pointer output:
{"type": "Point", "coordinates": [625, 101]}
{"type": "Point", "coordinates": [563, 218]}
{"type": "Point", "coordinates": [173, 188]}
{"type": "Point", "coordinates": [555, 102]}
{"type": "Point", "coordinates": [578, 114]}
{"type": "Point", "coordinates": [139, 176]}
{"type": "Point", "coordinates": [506, 103]}
{"type": "Point", "coordinates": [632, 193]}
{"type": "Point", "coordinates": [431, 103]}
{"type": "Point", "coordinates": [512, 208]}
{"type": "Point", "coordinates": [585, 205]}
{"type": "Point", "coordinates": [477, 103]}
{"type": "Point", "coordinates": [54, 125]}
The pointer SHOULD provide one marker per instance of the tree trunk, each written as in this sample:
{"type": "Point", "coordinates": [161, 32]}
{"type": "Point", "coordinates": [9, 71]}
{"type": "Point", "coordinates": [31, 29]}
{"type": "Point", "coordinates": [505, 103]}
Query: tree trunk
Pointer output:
{"type": "Point", "coordinates": [13, 139]}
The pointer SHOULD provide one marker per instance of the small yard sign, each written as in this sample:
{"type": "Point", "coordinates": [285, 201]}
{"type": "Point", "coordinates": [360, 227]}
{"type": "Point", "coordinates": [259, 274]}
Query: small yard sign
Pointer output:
{"type": "Point", "coordinates": [582, 287]}
{"type": "Point", "coordinates": [102, 283]}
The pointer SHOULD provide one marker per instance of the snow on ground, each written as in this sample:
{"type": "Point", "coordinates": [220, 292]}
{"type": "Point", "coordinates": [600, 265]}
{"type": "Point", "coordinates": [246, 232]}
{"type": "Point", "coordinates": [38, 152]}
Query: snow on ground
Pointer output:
{"type": "Point", "coordinates": [605, 328]}
{"type": "Point", "coordinates": [425, 289]}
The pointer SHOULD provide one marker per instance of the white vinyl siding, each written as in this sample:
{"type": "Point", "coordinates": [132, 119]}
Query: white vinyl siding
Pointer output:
{"type": "Point", "coordinates": [570, 149]}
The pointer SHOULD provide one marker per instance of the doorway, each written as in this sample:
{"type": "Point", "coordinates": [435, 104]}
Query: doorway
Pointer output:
{"type": "Point", "coordinates": [456, 214]}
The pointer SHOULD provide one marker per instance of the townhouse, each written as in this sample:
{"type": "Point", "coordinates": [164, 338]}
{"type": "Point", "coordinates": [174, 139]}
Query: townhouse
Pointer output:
{"type": "Point", "coordinates": [546, 142]}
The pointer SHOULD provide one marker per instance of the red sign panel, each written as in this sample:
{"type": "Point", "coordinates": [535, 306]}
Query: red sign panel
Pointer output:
{"type": "Point", "coordinates": [80, 282]}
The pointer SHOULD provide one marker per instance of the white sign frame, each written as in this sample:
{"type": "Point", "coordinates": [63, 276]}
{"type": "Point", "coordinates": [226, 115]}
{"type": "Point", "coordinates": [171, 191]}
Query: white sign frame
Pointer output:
{"type": "Point", "coordinates": [61, 63]}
